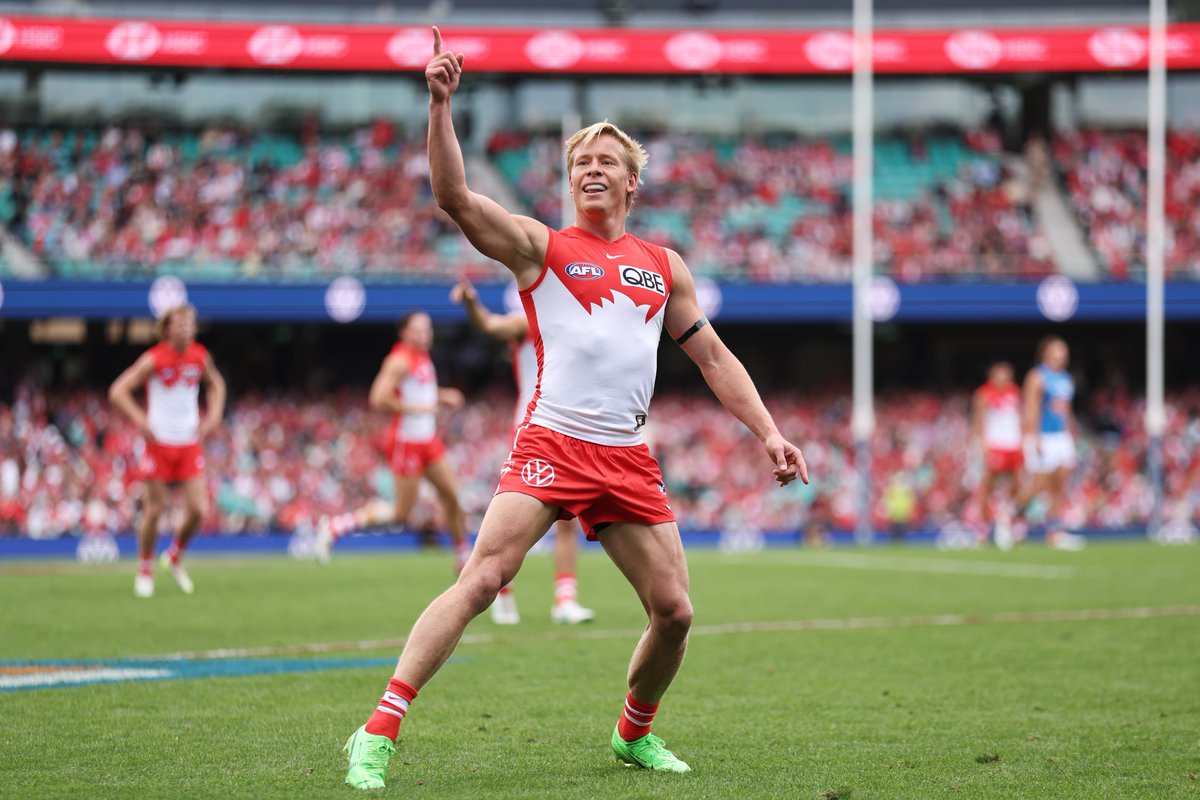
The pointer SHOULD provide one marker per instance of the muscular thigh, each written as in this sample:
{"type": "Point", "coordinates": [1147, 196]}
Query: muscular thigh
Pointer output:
{"type": "Point", "coordinates": [438, 473]}
{"type": "Point", "coordinates": [513, 523]}
{"type": "Point", "coordinates": [650, 557]}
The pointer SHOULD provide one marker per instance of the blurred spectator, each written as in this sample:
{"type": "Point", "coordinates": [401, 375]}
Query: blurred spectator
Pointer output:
{"type": "Point", "coordinates": [225, 204]}
{"type": "Point", "coordinates": [283, 460]}
{"type": "Point", "coordinates": [1105, 176]}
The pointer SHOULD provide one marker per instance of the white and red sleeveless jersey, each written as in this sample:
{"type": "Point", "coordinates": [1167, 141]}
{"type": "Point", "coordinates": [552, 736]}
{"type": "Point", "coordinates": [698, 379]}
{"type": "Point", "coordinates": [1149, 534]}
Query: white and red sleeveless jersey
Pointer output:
{"type": "Point", "coordinates": [173, 393]}
{"type": "Point", "coordinates": [595, 320]}
{"type": "Point", "coordinates": [1002, 416]}
{"type": "Point", "coordinates": [525, 374]}
{"type": "Point", "coordinates": [418, 389]}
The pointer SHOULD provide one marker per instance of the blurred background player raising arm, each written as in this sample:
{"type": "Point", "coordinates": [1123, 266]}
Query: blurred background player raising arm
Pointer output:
{"type": "Point", "coordinates": [406, 386]}
{"type": "Point", "coordinates": [513, 328]}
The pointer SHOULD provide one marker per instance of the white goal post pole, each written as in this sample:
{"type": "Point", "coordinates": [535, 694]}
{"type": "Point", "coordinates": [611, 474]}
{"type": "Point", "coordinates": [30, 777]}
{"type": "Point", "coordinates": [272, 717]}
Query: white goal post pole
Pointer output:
{"type": "Point", "coordinates": [1156, 142]}
{"type": "Point", "coordinates": [863, 419]}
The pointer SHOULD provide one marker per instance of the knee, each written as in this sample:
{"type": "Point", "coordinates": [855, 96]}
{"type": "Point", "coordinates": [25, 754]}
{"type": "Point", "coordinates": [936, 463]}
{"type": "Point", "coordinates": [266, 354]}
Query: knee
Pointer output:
{"type": "Point", "coordinates": [449, 498]}
{"type": "Point", "coordinates": [152, 508]}
{"type": "Point", "coordinates": [196, 511]}
{"type": "Point", "coordinates": [673, 616]}
{"type": "Point", "coordinates": [480, 582]}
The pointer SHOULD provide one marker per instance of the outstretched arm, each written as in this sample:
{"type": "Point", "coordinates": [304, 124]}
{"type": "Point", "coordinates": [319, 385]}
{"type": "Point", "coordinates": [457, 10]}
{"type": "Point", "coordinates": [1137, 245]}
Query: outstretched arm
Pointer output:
{"type": "Point", "coordinates": [517, 242]}
{"type": "Point", "coordinates": [726, 376]}
{"type": "Point", "coordinates": [505, 327]}
{"type": "Point", "coordinates": [120, 394]}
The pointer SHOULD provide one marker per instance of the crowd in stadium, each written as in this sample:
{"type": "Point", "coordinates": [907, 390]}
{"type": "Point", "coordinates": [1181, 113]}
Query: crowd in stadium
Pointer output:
{"type": "Point", "coordinates": [1105, 176]}
{"type": "Point", "coordinates": [69, 464]}
{"type": "Point", "coordinates": [221, 203]}
{"type": "Point", "coordinates": [774, 209]}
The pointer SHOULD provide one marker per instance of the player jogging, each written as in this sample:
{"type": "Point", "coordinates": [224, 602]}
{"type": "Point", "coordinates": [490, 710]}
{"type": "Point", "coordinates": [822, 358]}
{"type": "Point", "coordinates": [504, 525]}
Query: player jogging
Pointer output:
{"type": "Point", "coordinates": [996, 425]}
{"type": "Point", "coordinates": [406, 386]}
{"type": "Point", "coordinates": [597, 300]}
{"type": "Point", "coordinates": [1049, 440]}
{"type": "Point", "coordinates": [171, 372]}
{"type": "Point", "coordinates": [513, 328]}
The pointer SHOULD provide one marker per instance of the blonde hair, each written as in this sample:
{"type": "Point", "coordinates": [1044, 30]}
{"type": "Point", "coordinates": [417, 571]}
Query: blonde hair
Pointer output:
{"type": "Point", "coordinates": [635, 155]}
{"type": "Point", "coordinates": [162, 325]}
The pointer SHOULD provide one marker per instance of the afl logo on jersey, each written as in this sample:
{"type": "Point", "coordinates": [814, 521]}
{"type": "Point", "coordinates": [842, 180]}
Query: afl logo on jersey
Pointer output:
{"type": "Point", "coordinates": [582, 270]}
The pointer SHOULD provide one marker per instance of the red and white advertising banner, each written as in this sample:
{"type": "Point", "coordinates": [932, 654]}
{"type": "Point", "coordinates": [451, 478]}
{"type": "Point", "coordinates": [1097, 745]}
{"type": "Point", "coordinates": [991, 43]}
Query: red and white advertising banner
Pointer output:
{"type": "Point", "coordinates": [171, 43]}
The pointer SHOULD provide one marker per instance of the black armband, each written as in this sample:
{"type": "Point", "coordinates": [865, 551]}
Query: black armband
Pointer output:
{"type": "Point", "coordinates": [690, 332]}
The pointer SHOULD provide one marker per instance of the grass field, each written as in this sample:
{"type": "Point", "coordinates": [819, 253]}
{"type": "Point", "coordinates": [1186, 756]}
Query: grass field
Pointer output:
{"type": "Point", "coordinates": [889, 673]}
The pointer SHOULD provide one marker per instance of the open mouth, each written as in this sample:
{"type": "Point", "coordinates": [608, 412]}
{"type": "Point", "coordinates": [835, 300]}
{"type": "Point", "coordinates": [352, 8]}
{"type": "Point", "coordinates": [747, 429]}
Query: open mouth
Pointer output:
{"type": "Point", "coordinates": [593, 188]}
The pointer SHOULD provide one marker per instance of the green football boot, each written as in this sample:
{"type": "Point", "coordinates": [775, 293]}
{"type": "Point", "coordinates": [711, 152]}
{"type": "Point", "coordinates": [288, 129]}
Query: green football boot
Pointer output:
{"type": "Point", "coordinates": [648, 752]}
{"type": "Point", "coordinates": [368, 756]}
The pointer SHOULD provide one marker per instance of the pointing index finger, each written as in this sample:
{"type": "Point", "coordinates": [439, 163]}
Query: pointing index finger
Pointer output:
{"type": "Point", "coordinates": [437, 40]}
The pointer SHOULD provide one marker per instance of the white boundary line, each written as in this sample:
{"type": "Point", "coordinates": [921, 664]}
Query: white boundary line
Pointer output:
{"type": "Point", "coordinates": [832, 624]}
{"type": "Point", "coordinates": [903, 564]}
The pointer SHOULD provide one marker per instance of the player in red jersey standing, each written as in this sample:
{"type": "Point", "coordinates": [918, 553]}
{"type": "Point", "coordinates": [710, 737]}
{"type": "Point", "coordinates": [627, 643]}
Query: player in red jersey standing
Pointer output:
{"type": "Point", "coordinates": [513, 328]}
{"type": "Point", "coordinates": [996, 426]}
{"type": "Point", "coordinates": [407, 387]}
{"type": "Point", "coordinates": [597, 300]}
{"type": "Point", "coordinates": [172, 372]}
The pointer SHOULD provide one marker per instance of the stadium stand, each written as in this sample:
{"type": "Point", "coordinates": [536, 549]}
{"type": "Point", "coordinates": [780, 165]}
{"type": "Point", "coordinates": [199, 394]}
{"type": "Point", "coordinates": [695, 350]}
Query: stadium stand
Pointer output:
{"type": "Point", "coordinates": [777, 209]}
{"type": "Point", "coordinates": [68, 464]}
{"type": "Point", "coordinates": [220, 204]}
{"type": "Point", "coordinates": [1105, 175]}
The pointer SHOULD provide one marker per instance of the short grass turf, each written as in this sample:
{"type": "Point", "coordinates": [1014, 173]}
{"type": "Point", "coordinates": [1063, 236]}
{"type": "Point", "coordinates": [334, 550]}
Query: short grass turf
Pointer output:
{"type": "Point", "coordinates": [1104, 708]}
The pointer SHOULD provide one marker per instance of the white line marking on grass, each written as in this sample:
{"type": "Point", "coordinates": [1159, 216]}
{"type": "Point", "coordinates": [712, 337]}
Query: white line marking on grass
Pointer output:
{"type": "Point", "coordinates": [70, 676]}
{"type": "Point", "coordinates": [937, 565]}
{"type": "Point", "coordinates": [794, 625]}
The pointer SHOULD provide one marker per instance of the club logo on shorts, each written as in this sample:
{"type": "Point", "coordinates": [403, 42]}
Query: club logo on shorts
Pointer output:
{"type": "Point", "coordinates": [537, 473]}
{"type": "Point", "coordinates": [584, 271]}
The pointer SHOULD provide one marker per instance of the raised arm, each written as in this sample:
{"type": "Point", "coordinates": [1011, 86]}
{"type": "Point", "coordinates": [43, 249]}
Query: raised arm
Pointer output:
{"type": "Point", "coordinates": [505, 327]}
{"type": "Point", "coordinates": [214, 398]}
{"type": "Point", "coordinates": [120, 394]}
{"type": "Point", "coordinates": [517, 242]}
{"type": "Point", "coordinates": [725, 374]}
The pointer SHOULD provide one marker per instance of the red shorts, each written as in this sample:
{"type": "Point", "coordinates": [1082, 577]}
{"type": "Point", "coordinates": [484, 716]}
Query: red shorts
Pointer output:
{"type": "Point", "coordinates": [1003, 460]}
{"type": "Point", "coordinates": [597, 483]}
{"type": "Point", "coordinates": [173, 463]}
{"type": "Point", "coordinates": [409, 459]}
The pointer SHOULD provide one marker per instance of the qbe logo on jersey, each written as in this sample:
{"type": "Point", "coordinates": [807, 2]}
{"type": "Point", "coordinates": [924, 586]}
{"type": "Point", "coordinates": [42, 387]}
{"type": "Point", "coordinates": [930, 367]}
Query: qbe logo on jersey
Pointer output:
{"type": "Point", "coordinates": [643, 279]}
{"type": "Point", "coordinates": [537, 473]}
{"type": "Point", "coordinates": [584, 271]}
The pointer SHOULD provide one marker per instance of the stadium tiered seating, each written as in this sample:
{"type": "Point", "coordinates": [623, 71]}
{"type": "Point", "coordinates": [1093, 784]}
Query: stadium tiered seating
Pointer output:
{"type": "Point", "coordinates": [68, 463]}
{"type": "Point", "coordinates": [219, 204]}
{"type": "Point", "coordinates": [777, 208]}
{"type": "Point", "coordinates": [1105, 176]}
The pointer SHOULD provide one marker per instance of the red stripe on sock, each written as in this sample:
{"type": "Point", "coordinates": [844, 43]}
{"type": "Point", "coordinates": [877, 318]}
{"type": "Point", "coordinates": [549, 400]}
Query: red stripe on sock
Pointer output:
{"type": "Point", "coordinates": [635, 719]}
{"type": "Point", "coordinates": [388, 715]}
